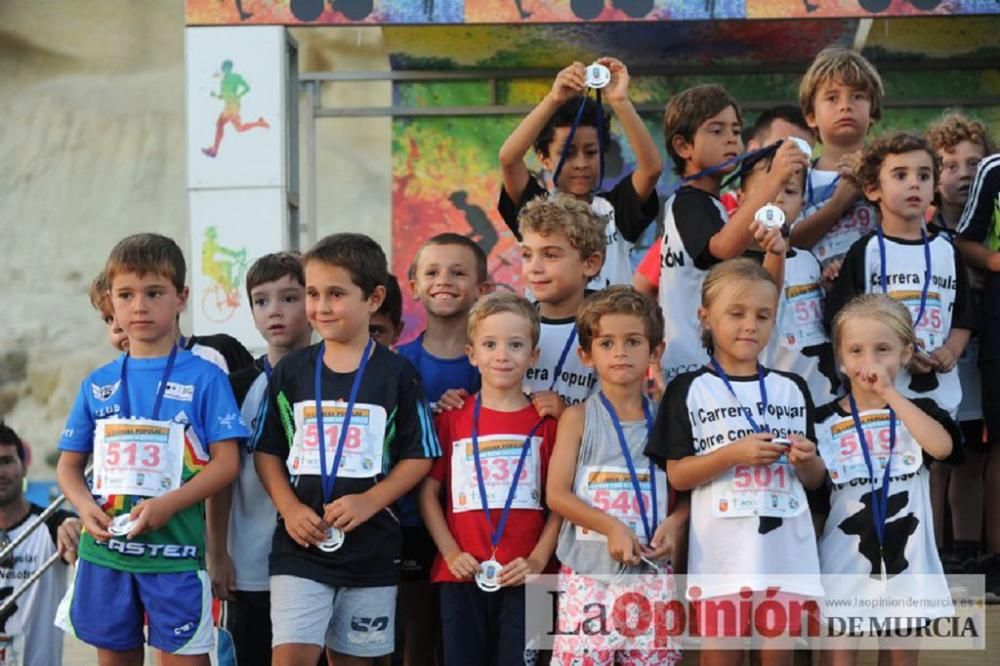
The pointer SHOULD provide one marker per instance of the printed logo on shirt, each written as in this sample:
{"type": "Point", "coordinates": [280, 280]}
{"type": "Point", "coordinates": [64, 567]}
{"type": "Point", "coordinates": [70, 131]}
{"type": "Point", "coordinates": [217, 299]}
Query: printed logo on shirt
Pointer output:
{"type": "Point", "coordinates": [182, 392]}
{"type": "Point", "coordinates": [104, 392]}
{"type": "Point", "coordinates": [230, 419]}
{"type": "Point", "coordinates": [182, 417]}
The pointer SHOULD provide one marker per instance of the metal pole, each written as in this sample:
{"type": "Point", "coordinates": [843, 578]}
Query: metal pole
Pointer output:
{"type": "Point", "coordinates": [32, 579]}
{"type": "Point", "coordinates": [49, 510]}
{"type": "Point", "coordinates": [312, 104]}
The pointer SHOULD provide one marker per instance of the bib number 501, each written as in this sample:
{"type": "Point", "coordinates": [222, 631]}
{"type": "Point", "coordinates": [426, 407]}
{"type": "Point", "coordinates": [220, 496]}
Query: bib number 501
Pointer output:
{"type": "Point", "coordinates": [759, 476]}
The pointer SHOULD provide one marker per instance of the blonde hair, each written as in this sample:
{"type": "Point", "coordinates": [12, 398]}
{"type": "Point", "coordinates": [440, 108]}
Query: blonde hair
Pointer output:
{"type": "Point", "coordinates": [845, 66]}
{"type": "Point", "coordinates": [885, 309]}
{"type": "Point", "coordinates": [567, 216]}
{"type": "Point", "coordinates": [497, 303]}
{"type": "Point", "coordinates": [618, 299]}
{"type": "Point", "coordinates": [721, 276]}
{"type": "Point", "coordinates": [953, 128]}
{"type": "Point", "coordinates": [99, 295]}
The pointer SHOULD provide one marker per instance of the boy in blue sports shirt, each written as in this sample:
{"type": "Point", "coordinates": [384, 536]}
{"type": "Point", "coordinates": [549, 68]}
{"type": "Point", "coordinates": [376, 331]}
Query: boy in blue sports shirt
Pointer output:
{"type": "Point", "coordinates": [161, 424]}
{"type": "Point", "coordinates": [350, 405]}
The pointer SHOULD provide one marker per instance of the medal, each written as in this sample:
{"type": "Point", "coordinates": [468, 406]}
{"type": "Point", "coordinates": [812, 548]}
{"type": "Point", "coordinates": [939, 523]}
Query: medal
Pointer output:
{"type": "Point", "coordinates": [333, 541]}
{"type": "Point", "coordinates": [121, 525]}
{"type": "Point", "coordinates": [334, 536]}
{"type": "Point", "coordinates": [488, 577]}
{"type": "Point", "coordinates": [770, 216]}
{"type": "Point", "coordinates": [598, 76]}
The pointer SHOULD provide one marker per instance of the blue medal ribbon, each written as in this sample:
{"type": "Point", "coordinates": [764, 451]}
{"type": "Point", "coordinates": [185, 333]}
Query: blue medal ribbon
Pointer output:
{"type": "Point", "coordinates": [746, 410]}
{"type": "Point", "coordinates": [825, 195]}
{"type": "Point", "coordinates": [880, 497]}
{"type": "Point", "coordinates": [267, 368]}
{"type": "Point", "coordinates": [616, 422]}
{"type": "Point", "coordinates": [562, 358]}
{"type": "Point", "coordinates": [330, 477]}
{"type": "Point", "coordinates": [883, 281]}
{"type": "Point", "coordinates": [497, 533]}
{"type": "Point", "coordinates": [126, 404]}
{"type": "Point", "coordinates": [572, 133]}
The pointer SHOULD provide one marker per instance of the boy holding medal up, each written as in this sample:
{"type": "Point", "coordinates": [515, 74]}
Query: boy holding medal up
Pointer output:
{"type": "Point", "coordinates": [349, 420]}
{"type": "Point", "coordinates": [161, 424]}
{"type": "Point", "coordinates": [493, 528]}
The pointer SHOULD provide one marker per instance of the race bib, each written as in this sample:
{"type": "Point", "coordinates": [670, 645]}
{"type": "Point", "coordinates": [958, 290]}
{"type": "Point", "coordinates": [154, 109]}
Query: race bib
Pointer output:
{"type": "Point", "coordinates": [610, 490]}
{"type": "Point", "coordinates": [362, 455]}
{"type": "Point", "coordinates": [802, 317]}
{"type": "Point", "coordinates": [930, 328]}
{"type": "Point", "coordinates": [137, 457]}
{"type": "Point", "coordinates": [845, 460]}
{"type": "Point", "coordinates": [856, 222]}
{"type": "Point", "coordinates": [758, 490]}
{"type": "Point", "coordinates": [498, 456]}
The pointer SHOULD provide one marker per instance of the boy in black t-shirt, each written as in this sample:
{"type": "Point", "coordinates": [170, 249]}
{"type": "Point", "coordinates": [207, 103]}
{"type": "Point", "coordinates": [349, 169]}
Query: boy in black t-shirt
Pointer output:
{"type": "Point", "coordinates": [335, 555]}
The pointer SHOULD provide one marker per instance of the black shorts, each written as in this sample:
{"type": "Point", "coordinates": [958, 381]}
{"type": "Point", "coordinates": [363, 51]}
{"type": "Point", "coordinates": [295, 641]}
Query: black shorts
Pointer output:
{"type": "Point", "coordinates": [417, 556]}
{"type": "Point", "coordinates": [990, 375]}
{"type": "Point", "coordinates": [248, 619]}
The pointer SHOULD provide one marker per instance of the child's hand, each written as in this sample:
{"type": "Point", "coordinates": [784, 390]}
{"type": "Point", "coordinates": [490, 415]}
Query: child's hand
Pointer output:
{"type": "Point", "coordinates": [223, 575]}
{"type": "Point", "coordinates": [874, 378]}
{"type": "Point", "coordinates": [516, 571]}
{"type": "Point", "coordinates": [755, 449]}
{"type": "Point", "coordinates": [623, 545]}
{"type": "Point", "coordinates": [802, 450]}
{"type": "Point", "coordinates": [788, 162]}
{"type": "Point", "coordinates": [831, 272]}
{"type": "Point", "coordinates": [304, 525]}
{"type": "Point", "coordinates": [848, 165]}
{"type": "Point", "coordinates": [451, 399]}
{"type": "Point", "coordinates": [945, 359]}
{"type": "Point", "coordinates": [569, 83]}
{"type": "Point", "coordinates": [462, 565]}
{"type": "Point", "coordinates": [664, 542]}
{"type": "Point", "coordinates": [922, 363]}
{"type": "Point", "coordinates": [548, 403]}
{"type": "Point", "coordinates": [770, 239]}
{"type": "Point", "coordinates": [150, 515]}
{"type": "Point", "coordinates": [95, 521]}
{"type": "Point", "coordinates": [349, 511]}
{"type": "Point", "coordinates": [617, 90]}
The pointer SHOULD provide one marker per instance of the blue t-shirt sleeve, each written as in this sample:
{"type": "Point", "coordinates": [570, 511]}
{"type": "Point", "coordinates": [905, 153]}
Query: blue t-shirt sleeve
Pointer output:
{"type": "Point", "coordinates": [78, 435]}
{"type": "Point", "coordinates": [221, 418]}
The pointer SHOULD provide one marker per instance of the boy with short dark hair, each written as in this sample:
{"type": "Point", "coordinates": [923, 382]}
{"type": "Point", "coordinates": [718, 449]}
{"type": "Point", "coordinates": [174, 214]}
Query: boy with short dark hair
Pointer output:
{"type": "Point", "coordinates": [629, 207]}
{"type": "Point", "coordinates": [387, 324]}
{"type": "Point", "coordinates": [161, 424]}
{"type": "Point", "coordinates": [702, 128]}
{"type": "Point", "coordinates": [242, 518]}
{"type": "Point", "coordinates": [349, 420]}
{"type": "Point", "coordinates": [562, 248]}
{"type": "Point", "coordinates": [841, 97]}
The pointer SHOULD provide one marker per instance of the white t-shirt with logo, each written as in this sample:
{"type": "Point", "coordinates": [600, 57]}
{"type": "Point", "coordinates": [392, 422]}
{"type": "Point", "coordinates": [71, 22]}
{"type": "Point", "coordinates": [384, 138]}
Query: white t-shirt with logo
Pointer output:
{"type": "Point", "coordinates": [576, 382]}
{"type": "Point", "coordinates": [859, 219]}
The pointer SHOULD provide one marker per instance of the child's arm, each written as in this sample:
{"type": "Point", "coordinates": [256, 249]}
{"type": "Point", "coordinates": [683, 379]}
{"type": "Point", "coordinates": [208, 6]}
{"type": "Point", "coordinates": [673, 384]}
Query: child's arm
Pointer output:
{"type": "Point", "coordinates": [947, 354]}
{"type": "Point", "coordinates": [303, 524]}
{"type": "Point", "coordinates": [809, 467]}
{"type": "Point", "coordinates": [548, 403]}
{"type": "Point", "coordinates": [622, 542]}
{"type": "Point", "coordinates": [978, 255]}
{"type": "Point", "coordinates": [516, 571]}
{"type": "Point", "coordinates": [350, 511]}
{"type": "Point", "coordinates": [693, 471]}
{"type": "Point", "coordinates": [808, 231]}
{"type": "Point", "coordinates": [669, 531]}
{"type": "Point", "coordinates": [773, 244]}
{"type": "Point", "coordinates": [735, 237]}
{"type": "Point", "coordinates": [220, 564]}
{"type": "Point", "coordinates": [221, 470]}
{"type": "Point", "coordinates": [648, 165]}
{"type": "Point", "coordinates": [461, 564]}
{"type": "Point", "coordinates": [70, 475]}
{"type": "Point", "coordinates": [569, 83]}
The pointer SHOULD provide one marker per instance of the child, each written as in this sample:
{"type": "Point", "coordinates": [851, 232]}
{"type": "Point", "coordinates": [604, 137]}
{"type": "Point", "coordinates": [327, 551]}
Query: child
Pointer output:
{"type": "Point", "coordinates": [100, 298]}
{"type": "Point", "coordinates": [447, 275]}
{"type": "Point", "coordinates": [162, 426]}
{"type": "Point", "coordinates": [874, 337]}
{"type": "Point", "coordinates": [387, 324]}
{"type": "Point", "coordinates": [621, 331]}
{"type": "Point", "coordinates": [562, 248]}
{"type": "Point", "coordinates": [702, 128]}
{"type": "Point", "coordinates": [629, 207]}
{"type": "Point", "coordinates": [496, 454]}
{"type": "Point", "coordinates": [979, 241]}
{"type": "Point", "coordinates": [960, 144]}
{"type": "Point", "coordinates": [242, 519]}
{"type": "Point", "coordinates": [799, 344]}
{"type": "Point", "coordinates": [334, 560]}
{"type": "Point", "coordinates": [899, 174]}
{"type": "Point", "coordinates": [716, 429]}
{"type": "Point", "coordinates": [841, 96]}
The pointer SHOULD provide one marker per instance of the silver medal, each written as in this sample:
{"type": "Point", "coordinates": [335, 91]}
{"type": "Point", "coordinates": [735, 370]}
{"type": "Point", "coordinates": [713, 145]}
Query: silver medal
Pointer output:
{"type": "Point", "coordinates": [802, 144]}
{"type": "Point", "coordinates": [598, 76]}
{"type": "Point", "coordinates": [770, 216]}
{"type": "Point", "coordinates": [121, 525]}
{"type": "Point", "coordinates": [333, 541]}
{"type": "Point", "coordinates": [488, 578]}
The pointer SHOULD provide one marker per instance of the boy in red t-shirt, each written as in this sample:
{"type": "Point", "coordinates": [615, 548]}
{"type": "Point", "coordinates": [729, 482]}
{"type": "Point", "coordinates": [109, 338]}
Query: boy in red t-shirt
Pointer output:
{"type": "Point", "coordinates": [487, 548]}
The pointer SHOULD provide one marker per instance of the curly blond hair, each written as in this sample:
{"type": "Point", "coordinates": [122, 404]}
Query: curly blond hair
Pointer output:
{"type": "Point", "coordinates": [567, 216]}
{"type": "Point", "coordinates": [497, 303]}
{"type": "Point", "coordinates": [953, 128]}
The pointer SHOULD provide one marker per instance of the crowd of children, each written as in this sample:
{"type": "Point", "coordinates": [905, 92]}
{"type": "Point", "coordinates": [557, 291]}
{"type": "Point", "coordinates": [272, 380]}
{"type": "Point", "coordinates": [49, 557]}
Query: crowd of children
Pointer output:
{"type": "Point", "coordinates": [772, 402]}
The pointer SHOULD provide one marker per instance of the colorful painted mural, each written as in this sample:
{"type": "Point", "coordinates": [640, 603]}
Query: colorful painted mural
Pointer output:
{"type": "Point", "coordinates": [332, 12]}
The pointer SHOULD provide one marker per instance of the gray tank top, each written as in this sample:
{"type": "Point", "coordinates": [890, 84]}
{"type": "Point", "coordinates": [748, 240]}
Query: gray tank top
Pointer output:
{"type": "Point", "coordinates": [602, 480]}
